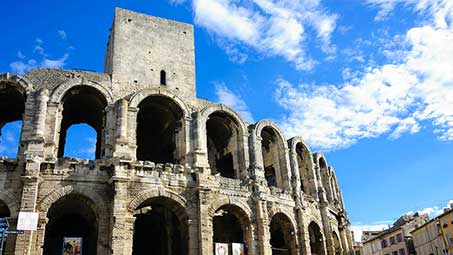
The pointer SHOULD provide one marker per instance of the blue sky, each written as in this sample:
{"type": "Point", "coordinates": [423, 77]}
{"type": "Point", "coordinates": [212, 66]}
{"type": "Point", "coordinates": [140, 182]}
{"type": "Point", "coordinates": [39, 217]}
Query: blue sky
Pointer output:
{"type": "Point", "coordinates": [370, 82]}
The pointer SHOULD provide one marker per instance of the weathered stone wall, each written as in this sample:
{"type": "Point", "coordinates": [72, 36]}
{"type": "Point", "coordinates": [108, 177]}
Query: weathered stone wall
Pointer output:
{"type": "Point", "coordinates": [115, 185]}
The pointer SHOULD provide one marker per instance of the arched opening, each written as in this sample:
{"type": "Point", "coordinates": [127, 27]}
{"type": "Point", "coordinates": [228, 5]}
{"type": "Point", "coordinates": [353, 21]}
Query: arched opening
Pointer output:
{"type": "Point", "coordinates": [4, 210]}
{"type": "Point", "coordinates": [271, 157]}
{"type": "Point", "coordinates": [305, 166]}
{"type": "Point", "coordinates": [336, 244]}
{"type": "Point", "coordinates": [80, 142]}
{"type": "Point", "coordinates": [163, 78]}
{"type": "Point", "coordinates": [12, 108]}
{"type": "Point", "coordinates": [231, 230]}
{"type": "Point", "coordinates": [4, 213]}
{"type": "Point", "coordinates": [282, 240]}
{"type": "Point", "coordinates": [316, 242]}
{"type": "Point", "coordinates": [72, 225]}
{"type": "Point", "coordinates": [160, 228]}
{"type": "Point", "coordinates": [223, 140]}
{"type": "Point", "coordinates": [160, 132]}
{"type": "Point", "coordinates": [83, 105]}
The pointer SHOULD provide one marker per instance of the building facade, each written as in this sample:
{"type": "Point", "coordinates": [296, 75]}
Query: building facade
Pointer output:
{"type": "Point", "coordinates": [446, 221]}
{"type": "Point", "coordinates": [428, 239]}
{"type": "Point", "coordinates": [396, 240]}
{"type": "Point", "coordinates": [173, 174]}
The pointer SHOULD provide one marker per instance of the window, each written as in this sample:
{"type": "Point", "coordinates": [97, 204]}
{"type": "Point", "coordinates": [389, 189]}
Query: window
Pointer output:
{"type": "Point", "coordinates": [448, 239]}
{"type": "Point", "coordinates": [392, 240]}
{"type": "Point", "coordinates": [163, 78]}
{"type": "Point", "coordinates": [402, 252]}
{"type": "Point", "coordinates": [384, 243]}
{"type": "Point", "coordinates": [394, 252]}
{"type": "Point", "coordinates": [399, 237]}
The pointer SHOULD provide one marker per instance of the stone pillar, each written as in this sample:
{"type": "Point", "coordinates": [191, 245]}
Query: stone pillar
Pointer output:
{"type": "Point", "coordinates": [192, 225]}
{"type": "Point", "coordinates": [205, 231]}
{"type": "Point", "coordinates": [132, 131]}
{"type": "Point", "coordinates": [262, 221]}
{"type": "Point", "coordinates": [349, 237]}
{"type": "Point", "coordinates": [344, 240]}
{"type": "Point", "coordinates": [303, 234]}
{"type": "Point", "coordinates": [40, 233]}
{"type": "Point", "coordinates": [326, 224]}
{"type": "Point", "coordinates": [41, 113]}
{"type": "Point", "coordinates": [30, 180]}
{"type": "Point", "coordinates": [11, 240]}
{"type": "Point", "coordinates": [121, 148]}
{"type": "Point", "coordinates": [122, 225]}
{"type": "Point", "coordinates": [200, 154]}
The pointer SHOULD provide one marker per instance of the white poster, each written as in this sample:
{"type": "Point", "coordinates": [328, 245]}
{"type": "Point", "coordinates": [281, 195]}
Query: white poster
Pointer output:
{"type": "Point", "coordinates": [27, 221]}
{"type": "Point", "coordinates": [221, 249]}
{"type": "Point", "coordinates": [238, 249]}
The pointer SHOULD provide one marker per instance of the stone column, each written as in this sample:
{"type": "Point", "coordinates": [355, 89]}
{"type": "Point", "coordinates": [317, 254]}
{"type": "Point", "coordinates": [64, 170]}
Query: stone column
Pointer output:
{"type": "Point", "coordinates": [326, 223]}
{"type": "Point", "coordinates": [122, 225]}
{"type": "Point", "coordinates": [40, 233]}
{"type": "Point", "coordinates": [344, 240]}
{"type": "Point", "coordinates": [200, 153]}
{"type": "Point", "coordinates": [304, 235]}
{"type": "Point", "coordinates": [41, 113]}
{"type": "Point", "coordinates": [205, 231]}
{"type": "Point", "coordinates": [28, 204]}
{"type": "Point", "coordinates": [262, 221]}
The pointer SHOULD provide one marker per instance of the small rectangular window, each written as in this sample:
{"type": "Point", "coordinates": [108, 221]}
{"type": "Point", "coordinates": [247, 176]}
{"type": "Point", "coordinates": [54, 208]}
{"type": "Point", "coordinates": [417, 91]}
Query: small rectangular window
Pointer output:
{"type": "Point", "coordinates": [392, 240]}
{"type": "Point", "coordinates": [402, 252]}
{"type": "Point", "coordinates": [399, 237]}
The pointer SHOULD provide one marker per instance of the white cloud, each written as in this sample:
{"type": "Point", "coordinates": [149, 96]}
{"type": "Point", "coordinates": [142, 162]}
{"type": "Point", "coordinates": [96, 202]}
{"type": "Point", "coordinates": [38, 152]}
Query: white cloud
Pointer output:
{"type": "Point", "coordinates": [271, 27]}
{"type": "Point", "coordinates": [23, 65]}
{"type": "Point", "coordinates": [229, 98]}
{"type": "Point", "coordinates": [390, 99]}
{"type": "Point", "coordinates": [62, 34]}
{"type": "Point", "coordinates": [440, 11]}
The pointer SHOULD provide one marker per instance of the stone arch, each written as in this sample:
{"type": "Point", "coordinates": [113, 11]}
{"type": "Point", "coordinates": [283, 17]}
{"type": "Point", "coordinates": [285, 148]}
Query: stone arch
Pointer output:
{"type": "Point", "coordinates": [11, 201]}
{"type": "Point", "coordinates": [168, 118]}
{"type": "Point", "coordinates": [101, 208]}
{"type": "Point", "coordinates": [14, 91]}
{"type": "Point", "coordinates": [223, 139]}
{"type": "Point", "coordinates": [274, 156]}
{"type": "Point", "coordinates": [80, 102]}
{"type": "Point", "coordinates": [94, 202]}
{"type": "Point", "coordinates": [316, 238]}
{"type": "Point", "coordinates": [136, 98]}
{"type": "Point", "coordinates": [337, 248]}
{"type": "Point", "coordinates": [167, 214]}
{"type": "Point", "coordinates": [303, 165]}
{"type": "Point", "coordinates": [282, 229]}
{"type": "Point", "coordinates": [156, 192]}
{"type": "Point", "coordinates": [25, 85]}
{"type": "Point", "coordinates": [239, 216]}
{"type": "Point", "coordinates": [288, 213]}
{"type": "Point", "coordinates": [58, 93]}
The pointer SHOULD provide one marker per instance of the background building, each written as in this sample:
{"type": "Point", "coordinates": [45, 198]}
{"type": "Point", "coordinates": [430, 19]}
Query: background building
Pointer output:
{"type": "Point", "coordinates": [173, 173]}
{"type": "Point", "coordinates": [428, 238]}
{"type": "Point", "coordinates": [396, 240]}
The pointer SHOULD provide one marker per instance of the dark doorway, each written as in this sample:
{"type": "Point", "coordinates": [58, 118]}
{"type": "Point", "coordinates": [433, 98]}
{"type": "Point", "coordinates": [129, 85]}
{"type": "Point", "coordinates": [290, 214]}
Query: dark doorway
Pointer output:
{"type": "Point", "coordinates": [282, 235]}
{"type": "Point", "coordinates": [159, 130]}
{"type": "Point", "coordinates": [231, 226]}
{"type": "Point", "coordinates": [316, 242]}
{"type": "Point", "coordinates": [71, 216]}
{"type": "Point", "coordinates": [158, 229]}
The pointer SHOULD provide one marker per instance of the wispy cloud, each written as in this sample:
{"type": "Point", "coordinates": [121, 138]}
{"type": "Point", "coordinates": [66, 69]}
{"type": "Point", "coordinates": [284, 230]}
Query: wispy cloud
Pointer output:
{"type": "Point", "coordinates": [270, 27]}
{"type": "Point", "coordinates": [62, 34]}
{"type": "Point", "coordinates": [233, 100]}
{"type": "Point", "coordinates": [389, 99]}
{"type": "Point", "coordinates": [23, 65]}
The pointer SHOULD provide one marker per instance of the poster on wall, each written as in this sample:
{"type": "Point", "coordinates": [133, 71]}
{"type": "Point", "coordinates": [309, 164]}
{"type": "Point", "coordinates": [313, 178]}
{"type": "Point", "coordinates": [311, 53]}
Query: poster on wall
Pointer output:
{"type": "Point", "coordinates": [238, 249]}
{"type": "Point", "coordinates": [72, 246]}
{"type": "Point", "coordinates": [221, 249]}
